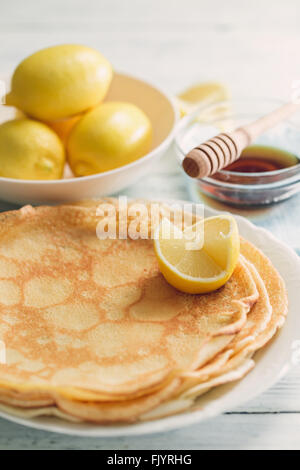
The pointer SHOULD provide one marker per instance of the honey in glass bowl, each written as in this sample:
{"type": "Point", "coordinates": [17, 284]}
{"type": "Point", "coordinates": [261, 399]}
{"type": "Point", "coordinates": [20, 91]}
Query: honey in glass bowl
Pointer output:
{"type": "Point", "coordinates": [261, 158]}
{"type": "Point", "coordinates": [267, 172]}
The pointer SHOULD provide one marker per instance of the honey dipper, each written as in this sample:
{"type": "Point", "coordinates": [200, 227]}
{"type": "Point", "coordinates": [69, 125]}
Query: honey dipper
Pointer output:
{"type": "Point", "coordinates": [223, 149]}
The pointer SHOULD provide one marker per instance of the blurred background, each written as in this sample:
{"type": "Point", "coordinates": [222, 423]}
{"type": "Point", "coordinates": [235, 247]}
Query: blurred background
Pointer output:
{"type": "Point", "coordinates": [251, 46]}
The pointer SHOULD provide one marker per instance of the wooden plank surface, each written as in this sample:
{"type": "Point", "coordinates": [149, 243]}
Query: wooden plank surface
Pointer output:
{"type": "Point", "coordinates": [230, 431]}
{"type": "Point", "coordinates": [251, 46]}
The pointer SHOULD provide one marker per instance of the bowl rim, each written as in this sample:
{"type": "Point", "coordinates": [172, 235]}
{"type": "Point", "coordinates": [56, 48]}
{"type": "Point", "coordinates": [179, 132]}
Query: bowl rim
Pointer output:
{"type": "Point", "coordinates": [221, 183]}
{"type": "Point", "coordinates": [286, 183]}
{"type": "Point", "coordinates": [168, 139]}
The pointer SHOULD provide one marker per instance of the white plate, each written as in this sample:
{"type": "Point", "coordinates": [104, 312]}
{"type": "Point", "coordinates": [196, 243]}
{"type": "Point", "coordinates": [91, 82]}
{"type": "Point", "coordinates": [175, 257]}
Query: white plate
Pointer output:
{"type": "Point", "coordinates": [163, 115]}
{"type": "Point", "coordinates": [271, 363]}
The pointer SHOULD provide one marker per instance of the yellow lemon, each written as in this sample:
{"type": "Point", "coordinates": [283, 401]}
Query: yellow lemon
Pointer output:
{"type": "Point", "coordinates": [111, 135]}
{"type": "Point", "coordinates": [60, 81]}
{"type": "Point", "coordinates": [30, 150]}
{"type": "Point", "coordinates": [63, 127]}
{"type": "Point", "coordinates": [202, 258]}
{"type": "Point", "coordinates": [206, 93]}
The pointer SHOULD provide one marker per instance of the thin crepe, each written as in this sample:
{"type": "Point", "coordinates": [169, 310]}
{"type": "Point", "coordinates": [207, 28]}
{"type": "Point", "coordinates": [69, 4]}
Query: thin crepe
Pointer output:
{"type": "Point", "coordinates": [94, 319]}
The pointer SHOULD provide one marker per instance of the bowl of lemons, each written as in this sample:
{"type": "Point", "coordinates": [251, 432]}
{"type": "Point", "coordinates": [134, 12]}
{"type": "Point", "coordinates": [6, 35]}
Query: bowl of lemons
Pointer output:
{"type": "Point", "coordinates": [72, 128]}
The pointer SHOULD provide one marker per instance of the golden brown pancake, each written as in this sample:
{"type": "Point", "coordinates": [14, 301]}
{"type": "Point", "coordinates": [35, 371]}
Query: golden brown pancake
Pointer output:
{"type": "Point", "coordinates": [80, 315]}
{"type": "Point", "coordinates": [29, 413]}
{"type": "Point", "coordinates": [232, 365]}
{"type": "Point", "coordinates": [235, 366]}
{"type": "Point", "coordinates": [187, 400]}
{"type": "Point", "coordinates": [244, 341]}
{"type": "Point", "coordinates": [264, 319]}
{"type": "Point", "coordinates": [93, 327]}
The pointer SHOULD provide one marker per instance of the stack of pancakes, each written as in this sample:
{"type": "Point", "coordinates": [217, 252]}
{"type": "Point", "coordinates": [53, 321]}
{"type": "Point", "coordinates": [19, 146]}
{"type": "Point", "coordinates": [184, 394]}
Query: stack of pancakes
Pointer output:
{"type": "Point", "coordinates": [93, 332]}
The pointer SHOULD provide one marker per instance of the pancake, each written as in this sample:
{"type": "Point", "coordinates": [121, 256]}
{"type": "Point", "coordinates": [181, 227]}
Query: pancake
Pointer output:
{"type": "Point", "coordinates": [170, 407]}
{"type": "Point", "coordinates": [231, 365]}
{"type": "Point", "coordinates": [265, 318]}
{"type": "Point", "coordinates": [257, 321]}
{"type": "Point", "coordinates": [111, 412]}
{"type": "Point", "coordinates": [237, 365]}
{"type": "Point", "coordinates": [51, 411]}
{"type": "Point", "coordinates": [88, 319]}
{"type": "Point", "coordinates": [275, 287]}
{"type": "Point", "coordinates": [187, 400]}
{"type": "Point", "coordinates": [25, 400]}
{"type": "Point", "coordinates": [213, 336]}
{"type": "Point", "coordinates": [226, 367]}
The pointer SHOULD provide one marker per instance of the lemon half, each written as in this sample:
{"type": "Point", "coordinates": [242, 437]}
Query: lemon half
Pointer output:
{"type": "Point", "coordinates": [205, 267]}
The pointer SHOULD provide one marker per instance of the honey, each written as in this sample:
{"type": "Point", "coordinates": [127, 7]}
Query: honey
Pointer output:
{"type": "Point", "coordinates": [260, 158]}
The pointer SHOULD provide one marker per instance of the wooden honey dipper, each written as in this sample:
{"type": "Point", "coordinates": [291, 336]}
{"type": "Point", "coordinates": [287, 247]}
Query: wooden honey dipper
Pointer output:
{"type": "Point", "coordinates": [223, 149]}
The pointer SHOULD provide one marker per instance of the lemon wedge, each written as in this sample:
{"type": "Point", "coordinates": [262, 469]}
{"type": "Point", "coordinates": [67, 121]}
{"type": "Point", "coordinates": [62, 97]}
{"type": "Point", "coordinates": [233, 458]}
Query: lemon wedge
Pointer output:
{"type": "Point", "coordinates": [201, 93]}
{"type": "Point", "coordinates": [201, 258]}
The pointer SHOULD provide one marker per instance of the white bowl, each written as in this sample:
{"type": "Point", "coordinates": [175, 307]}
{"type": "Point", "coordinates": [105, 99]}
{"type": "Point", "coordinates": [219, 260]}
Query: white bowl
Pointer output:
{"type": "Point", "coordinates": [161, 111]}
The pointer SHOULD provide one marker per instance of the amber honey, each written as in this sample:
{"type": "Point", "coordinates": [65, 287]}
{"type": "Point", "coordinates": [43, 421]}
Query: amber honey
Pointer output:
{"type": "Point", "coordinates": [259, 158]}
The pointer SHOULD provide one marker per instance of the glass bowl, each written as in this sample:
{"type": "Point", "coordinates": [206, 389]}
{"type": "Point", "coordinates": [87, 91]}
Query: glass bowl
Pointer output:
{"type": "Point", "coordinates": [231, 187]}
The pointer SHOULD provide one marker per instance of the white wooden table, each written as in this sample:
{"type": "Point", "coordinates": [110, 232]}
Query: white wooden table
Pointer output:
{"type": "Point", "coordinates": [251, 46]}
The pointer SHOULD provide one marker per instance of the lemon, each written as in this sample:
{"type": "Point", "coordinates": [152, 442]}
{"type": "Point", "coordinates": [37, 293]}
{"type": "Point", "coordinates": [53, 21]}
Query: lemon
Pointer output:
{"type": "Point", "coordinates": [111, 135]}
{"type": "Point", "coordinates": [205, 268]}
{"type": "Point", "coordinates": [206, 93]}
{"type": "Point", "coordinates": [60, 81]}
{"type": "Point", "coordinates": [63, 127]}
{"type": "Point", "coordinates": [30, 150]}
